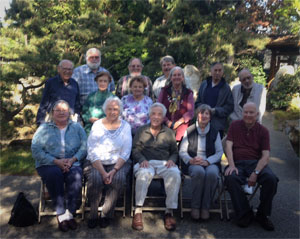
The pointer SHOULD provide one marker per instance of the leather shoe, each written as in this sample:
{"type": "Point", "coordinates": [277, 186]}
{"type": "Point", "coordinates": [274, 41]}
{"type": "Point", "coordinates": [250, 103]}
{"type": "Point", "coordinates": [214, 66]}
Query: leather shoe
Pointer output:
{"type": "Point", "coordinates": [63, 226]}
{"type": "Point", "coordinates": [195, 213]}
{"type": "Point", "coordinates": [265, 222]}
{"type": "Point", "coordinates": [137, 222]}
{"type": "Point", "coordinates": [72, 224]}
{"type": "Point", "coordinates": [104, 222]}
{"type": "Point", "coordinates": [170, 222]}
{"type": "Point", "coordinates": [246, 220]}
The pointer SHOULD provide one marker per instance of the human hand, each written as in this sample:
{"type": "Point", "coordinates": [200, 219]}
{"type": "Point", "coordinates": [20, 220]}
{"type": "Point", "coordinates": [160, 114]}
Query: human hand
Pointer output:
{"type": "Point", "coordinates": [229, 170]}
{"type": "Point", "coordinates": [62, 164]}
{"type": "Point", "coordinates": [252, 179]}
{"type": "Point", "coordinates": [204, 163]}
{"type": "Point", "coordinates": [144, 164]}
{"type": "Point", "coordinates": [110, 176]}
{"type": "Point", "coordinates": [170, 164]}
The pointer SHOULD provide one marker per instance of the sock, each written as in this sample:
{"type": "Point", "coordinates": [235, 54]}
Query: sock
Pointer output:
{"type": "Point", "coordinates": [69, 214]}
{"type": "Point", "coordinates": [63, 217]}
{"type": "Point", "coordinates": [138, 209]}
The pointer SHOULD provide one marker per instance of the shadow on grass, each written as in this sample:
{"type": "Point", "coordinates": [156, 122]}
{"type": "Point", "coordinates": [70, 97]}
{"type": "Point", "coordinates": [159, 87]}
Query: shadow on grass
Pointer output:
{"type": "Point", "coordinates": [17, 162]}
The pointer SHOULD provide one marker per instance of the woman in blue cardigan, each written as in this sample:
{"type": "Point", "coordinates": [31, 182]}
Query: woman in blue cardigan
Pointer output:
{"type": "Point", "coordinates": [58, 147]}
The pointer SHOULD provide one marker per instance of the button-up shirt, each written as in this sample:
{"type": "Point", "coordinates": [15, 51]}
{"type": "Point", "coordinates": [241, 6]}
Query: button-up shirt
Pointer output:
{"type": "Point", "coordinates": [85, 78]}
{"type": "Point", "coordinates": [55, 89]}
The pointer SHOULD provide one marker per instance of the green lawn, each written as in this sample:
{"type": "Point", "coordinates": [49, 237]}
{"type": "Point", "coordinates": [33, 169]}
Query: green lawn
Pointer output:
{"type": "Point", "coordinates": [17, 162]}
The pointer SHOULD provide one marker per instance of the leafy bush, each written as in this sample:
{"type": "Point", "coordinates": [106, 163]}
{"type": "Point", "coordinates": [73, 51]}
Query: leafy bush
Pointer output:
{"type": "Point", "coordinates": [280, 97]}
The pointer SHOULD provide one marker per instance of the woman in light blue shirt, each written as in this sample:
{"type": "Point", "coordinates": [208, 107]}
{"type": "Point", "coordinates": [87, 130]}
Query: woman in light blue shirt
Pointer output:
{"type": "Point", "coordinates": [59, 147]}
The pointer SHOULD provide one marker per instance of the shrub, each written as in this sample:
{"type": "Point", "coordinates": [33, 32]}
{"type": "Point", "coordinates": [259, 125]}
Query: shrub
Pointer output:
{"type": "Point", "coordinates": [281, 96]}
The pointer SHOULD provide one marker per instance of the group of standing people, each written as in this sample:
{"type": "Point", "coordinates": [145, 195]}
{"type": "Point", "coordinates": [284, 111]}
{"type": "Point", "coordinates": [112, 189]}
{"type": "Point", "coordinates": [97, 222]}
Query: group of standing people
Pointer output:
{"type": "Point", "coordinates": [150, 127]}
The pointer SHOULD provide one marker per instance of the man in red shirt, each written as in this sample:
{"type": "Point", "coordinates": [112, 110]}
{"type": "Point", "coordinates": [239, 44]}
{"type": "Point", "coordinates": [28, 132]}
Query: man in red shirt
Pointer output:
{"type": "Point", "coordinates": [248, 150]}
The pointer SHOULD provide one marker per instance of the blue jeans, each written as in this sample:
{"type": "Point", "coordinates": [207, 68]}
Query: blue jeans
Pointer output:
{"type": "Point", "coordinates": [56, 182]}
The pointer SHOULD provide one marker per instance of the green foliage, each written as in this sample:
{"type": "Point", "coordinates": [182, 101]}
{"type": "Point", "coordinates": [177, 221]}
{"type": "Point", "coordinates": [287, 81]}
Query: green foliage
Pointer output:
{"type": "Point", "coordinates": [279, 97]}
{"type": "Point", "coordinates": [254, 65]}
{"type": "Point", "coordinates": [17, 162]}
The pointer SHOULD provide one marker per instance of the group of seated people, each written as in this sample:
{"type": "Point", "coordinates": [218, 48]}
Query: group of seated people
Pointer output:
{"type": "Point", "coordinates": [130, 133]}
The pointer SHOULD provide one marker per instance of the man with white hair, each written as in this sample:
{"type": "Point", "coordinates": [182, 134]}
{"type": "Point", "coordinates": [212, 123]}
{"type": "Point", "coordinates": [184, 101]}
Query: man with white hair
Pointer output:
{"type": "Point", "coordinates": [248, 91]}
{"type": "Point", "coordinates": [85, 74]}
{"type": "Point", "coordinates": [60, 87]}
{"type": "Point", "coordinates": [248, 151]}
{"type": "Point", "coordinates": [155, 153]}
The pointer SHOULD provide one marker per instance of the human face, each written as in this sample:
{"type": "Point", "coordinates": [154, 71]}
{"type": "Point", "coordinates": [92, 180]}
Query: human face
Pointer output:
{"type": "Point", "coordinates": [112, 111]}
{"type": "Point", "coordinates": [217, 72]}
{"type": "Point", "coordinates": [246, 79]}
{"type": "Point", "coordinates": [135, 68]}
{"type": "Point", "coordinates": [156, 117]}
{"type": "Point", "coordinates": [103, 82]}
{"type": "Point", "coordinates": [177, 78]}
{"type": "Point", "coordinates": [137, 89]}
{"type": "Point", "coordinates": [65, 71]}
{"type": "Point", "coordinates": [93, 60]}
{"type": "Point", "coordinates": [203, 117]}
{"type": "Point", "coordinates": [250, 114]}
{"type": "Point", "coordinates": [61, 114]}
{"type": "Point", "coordinates": [166, 67]}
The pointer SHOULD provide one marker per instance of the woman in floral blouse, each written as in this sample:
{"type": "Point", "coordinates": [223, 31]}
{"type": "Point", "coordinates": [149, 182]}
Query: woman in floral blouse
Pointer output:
{"type": "Point", "coordinates": [136, 105]}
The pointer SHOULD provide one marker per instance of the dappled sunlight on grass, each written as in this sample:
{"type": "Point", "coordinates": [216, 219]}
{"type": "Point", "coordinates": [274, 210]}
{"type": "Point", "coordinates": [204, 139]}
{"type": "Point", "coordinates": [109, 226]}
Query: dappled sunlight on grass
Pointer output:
{"type": "Point", "coordinates": [17, 162]}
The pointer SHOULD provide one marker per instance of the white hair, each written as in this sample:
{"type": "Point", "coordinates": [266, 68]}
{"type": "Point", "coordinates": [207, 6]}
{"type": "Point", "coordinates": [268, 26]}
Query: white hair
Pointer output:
{"type": "Point", "coordinates": [157, 104]}
{"type": "Point", "coordinates": [111, 99]}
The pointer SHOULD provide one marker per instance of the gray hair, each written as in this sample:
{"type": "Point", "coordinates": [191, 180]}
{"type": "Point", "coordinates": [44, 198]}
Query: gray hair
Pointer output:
{"type": "Point", "coordinates": [202, 108]}
{"type": "Point", "coordinates": [172, 72]}
{"type": "Point", "coordinates": [64, 61]}
{"type": "Point", "coordinates": [92, 50]}
{"type": "Point", "coordinates": [135, 58]}
{"type": "Point", "coordinates": [55, 105]}
{"type": "Point", "coordinates": [157, 104]}
{"type": "Point", "coordinates": [111, 99]}
{"type": "Point", "coordinates": [244, 69]}
{"type": "Point", "coordinates": [167, 59]}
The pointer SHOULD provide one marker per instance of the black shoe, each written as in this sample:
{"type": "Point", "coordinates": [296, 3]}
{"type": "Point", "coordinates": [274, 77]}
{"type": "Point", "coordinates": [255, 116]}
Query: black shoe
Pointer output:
{"type": "Point", "coordinates": [246, 220]}
{"type": "Point", "coordinates": [265, 222]}
{"type": "Point", "coordinates": [104, 222]}
{"type": "Point", "coordinates": [92, 223]}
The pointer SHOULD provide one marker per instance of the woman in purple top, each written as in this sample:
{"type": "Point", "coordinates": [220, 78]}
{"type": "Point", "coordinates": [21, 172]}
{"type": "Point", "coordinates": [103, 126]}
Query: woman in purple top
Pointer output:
{"type": "Point", "coordinates": [136, 105]}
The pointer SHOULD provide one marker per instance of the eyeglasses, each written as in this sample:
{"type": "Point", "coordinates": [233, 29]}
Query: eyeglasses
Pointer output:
{"type": "Point", "coordinates": [61, 111]}
{"type": "Point", "coordinates": [94, 57]}
{"type": "Point", "coordinates": [66, 69]}
{"type": "Point", "coordinates": [137, 66]}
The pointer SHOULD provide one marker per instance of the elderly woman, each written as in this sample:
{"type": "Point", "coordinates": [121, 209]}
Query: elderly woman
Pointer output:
{"type": "Point", "coordinates": [201, 150]}
{"type": "Point", "coordinates": [136, 105]}
{"type": "Point", "coordinates": [109, 147]}
{"type": "Point", "coordinates": [92, 108]}
{"type": "Point", "coordinates": [179, 102]}
{"type": "Point", "coordinates": [58, 147]}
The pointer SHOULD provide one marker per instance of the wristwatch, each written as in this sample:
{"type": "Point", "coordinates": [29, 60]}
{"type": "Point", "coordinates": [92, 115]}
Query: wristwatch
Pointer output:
{"type": "Point", "coordinates": [256, 172]}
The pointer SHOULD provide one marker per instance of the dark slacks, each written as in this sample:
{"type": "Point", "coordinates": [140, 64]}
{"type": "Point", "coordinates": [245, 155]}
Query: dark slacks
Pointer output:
{"type": "Point", "coordinates": [56, 182]}
{"type": "Point", "coordinates": [267, 179]}
{"type": "Point", "coordinates": [95, 187]}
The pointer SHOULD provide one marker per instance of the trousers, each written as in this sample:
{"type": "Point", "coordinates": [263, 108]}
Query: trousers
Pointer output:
{"type": "Point", "coordinates": [144, 176]}
{"type": "Point", "coordinates": [204, 184]}
{"type": "Point", "coordinates": [267, 179]}
{"type": "Point", "coordinates": [56, 182]}
{"type": "Point", "coordinates": [95, 187]}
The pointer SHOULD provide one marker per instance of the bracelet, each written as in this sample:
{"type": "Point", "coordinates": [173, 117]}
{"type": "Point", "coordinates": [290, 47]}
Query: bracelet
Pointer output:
{"type": "Point", "coordinates": [172, 125]}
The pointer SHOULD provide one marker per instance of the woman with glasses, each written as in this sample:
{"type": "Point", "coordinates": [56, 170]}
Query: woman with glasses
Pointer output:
{"type": "Point", "coordinates": [59, 147]}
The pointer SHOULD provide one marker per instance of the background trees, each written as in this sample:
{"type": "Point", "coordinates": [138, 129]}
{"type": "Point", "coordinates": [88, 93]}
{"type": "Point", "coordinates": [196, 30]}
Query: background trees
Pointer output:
{"type": "Point", "coordinates": [39, 33]}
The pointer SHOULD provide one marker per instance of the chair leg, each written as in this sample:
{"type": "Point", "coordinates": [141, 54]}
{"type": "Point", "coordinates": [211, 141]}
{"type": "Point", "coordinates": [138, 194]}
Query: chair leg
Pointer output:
{"type": "Point", "coordinates": [181, 199]}
{"type": "Point", "coordinates": [40, 202]}
{"type": "Point", "coordinates": [132, 196]}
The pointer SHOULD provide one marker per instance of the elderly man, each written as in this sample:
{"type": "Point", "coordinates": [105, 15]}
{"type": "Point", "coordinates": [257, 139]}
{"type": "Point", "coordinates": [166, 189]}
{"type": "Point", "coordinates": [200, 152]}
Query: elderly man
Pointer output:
{"type": "Point", "coordinates": [248, 91]}
{"type": "Point", "coordinates": [135, 68]}
{"type": "Point", "coordinates": [155, 153]}
{"type": "Point", "coordinates": [60, 87]}
{"type": "Point", "coordinates": [86, 74]}
{"type": "Point", "coordinates": [166, 63]}
{"type": "Point", "coordinates": [248, 149]}
{"type": "Point", "coordinates": [216, 93]}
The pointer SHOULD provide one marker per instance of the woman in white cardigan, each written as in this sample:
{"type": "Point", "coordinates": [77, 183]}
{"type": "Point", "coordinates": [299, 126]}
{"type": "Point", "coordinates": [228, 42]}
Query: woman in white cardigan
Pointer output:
{"type": "Point", "coordinates": [109, 147]}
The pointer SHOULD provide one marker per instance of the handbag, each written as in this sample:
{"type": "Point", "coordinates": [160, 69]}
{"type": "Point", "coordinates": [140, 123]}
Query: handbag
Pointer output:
{"type": "Point", "coordinates": [22, 213]}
